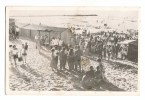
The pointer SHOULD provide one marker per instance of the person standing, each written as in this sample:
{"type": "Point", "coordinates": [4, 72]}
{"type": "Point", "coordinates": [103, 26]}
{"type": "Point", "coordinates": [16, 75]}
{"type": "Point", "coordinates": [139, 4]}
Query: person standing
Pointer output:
{"type": "Point", "coordinates": [17, 32]}
{"type": "Point", "coordinates": [116, 50]}
{"type": "Point", "coordinates": [15, 55]}
{"type": "Point", "coordinates": [100, 49]}
{"type": "Point", "coordinates": [104, 51]}
{"type": "Point", "coordinates": [62, 59]}
{"type": "Point", "coordinates": [113, 51]}
{"type": "Point", "coordinates": [82, 44]}
{"type": "Point", "coordinates": [89, 46]}
{"type": "Point", "coordinates": [109, 52]}
{"type": "Point", "coordinates": [37, 40]}
{"type": "Point", "coordinates": [53, 63]}
{"type": "Point", "coordinates": [23, 53]}
{"type": "Point", "coordinates": [70, 59]}
{"type": "Point", "coordinates": [78, 54]}
{"type": "Point", "coordinates": [26, 46]}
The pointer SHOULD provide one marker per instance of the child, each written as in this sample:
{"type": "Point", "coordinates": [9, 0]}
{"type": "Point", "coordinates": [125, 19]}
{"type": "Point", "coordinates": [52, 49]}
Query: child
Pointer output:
{"type": "Point", "coordinates": [26, 46]}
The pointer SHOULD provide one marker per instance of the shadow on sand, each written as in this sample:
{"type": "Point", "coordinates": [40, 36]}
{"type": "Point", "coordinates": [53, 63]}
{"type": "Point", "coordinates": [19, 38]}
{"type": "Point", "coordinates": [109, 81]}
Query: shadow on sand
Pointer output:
{"type": "Point", "coordinates": [17, 42]}
{"type": "Point", "coordinates": [76, 77]}
{"type": "Point", "coordinates": [44, 55]}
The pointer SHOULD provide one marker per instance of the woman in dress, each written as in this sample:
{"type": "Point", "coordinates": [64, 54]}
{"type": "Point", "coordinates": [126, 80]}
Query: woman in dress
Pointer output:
{"type": "Point", "coordinates": [54, 59]}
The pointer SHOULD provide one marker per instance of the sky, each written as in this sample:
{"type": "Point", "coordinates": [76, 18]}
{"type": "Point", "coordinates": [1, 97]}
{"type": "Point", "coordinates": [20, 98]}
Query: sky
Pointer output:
{"type": "Point", "coordinates": [130, 13]}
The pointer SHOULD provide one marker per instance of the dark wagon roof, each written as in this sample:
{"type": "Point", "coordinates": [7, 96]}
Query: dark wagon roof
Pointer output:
{"type": "Point", "coordinates": [40, 27]}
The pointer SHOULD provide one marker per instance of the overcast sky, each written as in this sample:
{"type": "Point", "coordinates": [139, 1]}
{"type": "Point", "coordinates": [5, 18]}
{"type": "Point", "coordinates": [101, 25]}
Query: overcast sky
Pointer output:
{"type": "Point", "coordinates": [113, 13]}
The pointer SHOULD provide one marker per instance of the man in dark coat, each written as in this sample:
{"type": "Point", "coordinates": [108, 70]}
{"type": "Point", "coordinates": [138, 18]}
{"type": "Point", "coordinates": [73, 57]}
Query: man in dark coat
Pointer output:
{"type": "Point", "coordinates": [62, 59]}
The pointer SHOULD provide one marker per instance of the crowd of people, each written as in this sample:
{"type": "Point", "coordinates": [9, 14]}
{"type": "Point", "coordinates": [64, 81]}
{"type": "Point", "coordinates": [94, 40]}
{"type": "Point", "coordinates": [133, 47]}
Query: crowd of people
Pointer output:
{"type": "Point", "coordinates": [18, 55]}
{"type": "Point", "coordinates": [104, 45]}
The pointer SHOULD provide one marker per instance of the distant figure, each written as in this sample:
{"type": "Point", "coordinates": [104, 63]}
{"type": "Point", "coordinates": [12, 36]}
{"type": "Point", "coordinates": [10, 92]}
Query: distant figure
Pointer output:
{"type": "Point", "coordinates": [89, 46]}
{"type": "Point", "coordinates": [62, 59]}
{"type": "Point", "coordinates": [15, 55]}
{"type": "Point", "coordinates": [70, 59]}
{"type": "Point", "coordinates": [104, 51]}
{"type": "Point", "coordinates": [37, 41]}
{"type": "Point", "coordinates": [26, 46]}
{"type": "Point", "coordinates": [17, 33]}
{"type": "Point", "coordinates": [23, 53]}
{"type": "Point", "coordinates": [109, 51]}
{"type": "Point", "coordinates": [113, 51]}
{"type": "Point", "coordinates": [100, 49]}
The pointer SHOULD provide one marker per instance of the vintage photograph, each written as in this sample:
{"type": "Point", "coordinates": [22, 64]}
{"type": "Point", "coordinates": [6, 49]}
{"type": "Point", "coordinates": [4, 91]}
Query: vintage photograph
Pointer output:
{"type": "Point", "coordinates": [61, 49]}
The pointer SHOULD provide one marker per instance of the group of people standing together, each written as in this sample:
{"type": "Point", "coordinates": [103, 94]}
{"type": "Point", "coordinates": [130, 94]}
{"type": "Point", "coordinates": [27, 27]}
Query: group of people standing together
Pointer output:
{"type": "Point", "coordinates": [70, 56]}
{"type": "Point", "coordinates": [17, 55]}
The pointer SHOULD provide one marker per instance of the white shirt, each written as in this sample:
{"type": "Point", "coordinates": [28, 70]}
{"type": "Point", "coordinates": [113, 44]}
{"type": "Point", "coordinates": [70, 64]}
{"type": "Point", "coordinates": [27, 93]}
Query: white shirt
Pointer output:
{"type": "Point", "coordinates": [15, 51]}
{"type": "Point", "coordinates": [17, 30]}
{"type": "Point", "coordinates": [36, 37]}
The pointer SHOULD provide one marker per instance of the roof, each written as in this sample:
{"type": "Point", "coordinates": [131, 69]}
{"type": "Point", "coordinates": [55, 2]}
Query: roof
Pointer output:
{"type": "Point", "coordinates": [20, 25]}
{"type": "Point", "coordinates": [40, 27]}
{"type": "Point", "coordinates": [135, 43]}
{"type": "Point", "coordinates": [56, 29]}
{"type": "Point", "coordinates": [127, 42]}
{"type": "Point", "coordinates": [34, 27]}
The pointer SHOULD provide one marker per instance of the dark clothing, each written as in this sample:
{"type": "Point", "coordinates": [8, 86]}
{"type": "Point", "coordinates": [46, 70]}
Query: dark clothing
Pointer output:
{"type": "Point", "coordinates": [90, 74]}
{"type": "Point", "coordinates": [62, 59]}
{"type": "Point", "coordinates": [54, 60]}
{"type": "Point", "coordinates": [89, 46]}
{"type": "Point", "coordinates": [70, 59]}
{"type": "Point", "coordinates": [116, 50]}
{"type": "Point", "coordinates": [78, 54]}
{"type": "Point", "coordinates": [115, 40]}
{"type": "Point", "coordinates": [104, 52]}
{"type": "Point", "coordinates": [24, 54]}
{"type": "Point", "coordinates": [101, 71]}
{"type": "Point", "coordinates": [26, 47]}
{"type": "Point", "coordinates": [15, 56]}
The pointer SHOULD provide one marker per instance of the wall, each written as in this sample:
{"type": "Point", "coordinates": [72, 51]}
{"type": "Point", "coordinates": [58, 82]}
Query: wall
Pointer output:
{"type": "Point", "coordinates": [67, 36]}
{"type": "Point", "coordinates": [26, 33]}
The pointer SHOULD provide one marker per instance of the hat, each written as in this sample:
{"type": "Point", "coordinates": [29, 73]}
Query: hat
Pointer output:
{"type": "Point", "coordinates": [14, 46]}
{"type": "Point", "coordinates": [91, 67]}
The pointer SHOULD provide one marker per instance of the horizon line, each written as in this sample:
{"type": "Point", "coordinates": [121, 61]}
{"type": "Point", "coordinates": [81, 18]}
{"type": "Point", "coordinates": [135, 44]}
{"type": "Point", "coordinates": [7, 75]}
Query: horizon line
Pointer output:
{"type": "Point", "coordinates": [56, 15]}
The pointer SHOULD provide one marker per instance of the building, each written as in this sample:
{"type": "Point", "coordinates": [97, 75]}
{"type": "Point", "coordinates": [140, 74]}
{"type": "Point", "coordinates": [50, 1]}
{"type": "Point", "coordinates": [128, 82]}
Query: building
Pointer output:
{"type": "Point", "coordinates": [31, 30]}
{"type": "Point", "coordinates": [68, 36]}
